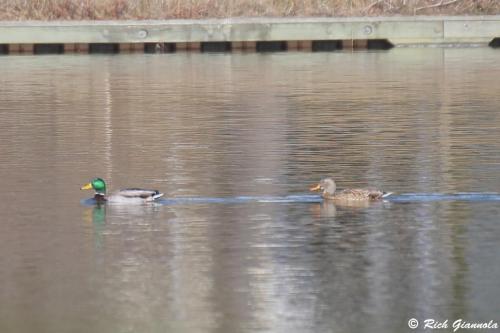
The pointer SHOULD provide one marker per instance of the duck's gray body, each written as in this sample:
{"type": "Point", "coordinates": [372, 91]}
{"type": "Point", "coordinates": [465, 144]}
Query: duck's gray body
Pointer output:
{"type": "Point", "coordinates": [148, 195]}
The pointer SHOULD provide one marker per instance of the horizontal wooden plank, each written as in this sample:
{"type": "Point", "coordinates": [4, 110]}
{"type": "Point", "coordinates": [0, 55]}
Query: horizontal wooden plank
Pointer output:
{"type": "Point", "coordinates": [398, 30]}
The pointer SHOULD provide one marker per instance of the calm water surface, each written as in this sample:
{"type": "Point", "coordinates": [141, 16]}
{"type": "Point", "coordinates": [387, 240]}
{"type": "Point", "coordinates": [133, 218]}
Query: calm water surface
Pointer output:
{"type": "Point", "coordinates": [229, 125]}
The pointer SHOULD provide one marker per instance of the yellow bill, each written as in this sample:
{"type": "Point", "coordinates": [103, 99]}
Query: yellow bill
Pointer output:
{"type": "Point", "coordinates": [86, 187]}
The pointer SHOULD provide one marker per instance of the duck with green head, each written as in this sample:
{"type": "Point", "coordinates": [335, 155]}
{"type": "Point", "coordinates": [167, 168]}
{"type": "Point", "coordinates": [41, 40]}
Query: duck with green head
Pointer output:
{"type": "Point", "coordinates": [128, 195]}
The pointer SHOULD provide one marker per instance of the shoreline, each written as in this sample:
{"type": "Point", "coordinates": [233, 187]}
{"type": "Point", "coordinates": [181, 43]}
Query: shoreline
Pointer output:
{"type": "Point", "coordinates": [53, 10]}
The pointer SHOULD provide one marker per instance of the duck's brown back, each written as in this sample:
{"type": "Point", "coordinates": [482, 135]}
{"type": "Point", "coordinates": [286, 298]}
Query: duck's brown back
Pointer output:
{"type": "Point", "coordinates": [358, 194]}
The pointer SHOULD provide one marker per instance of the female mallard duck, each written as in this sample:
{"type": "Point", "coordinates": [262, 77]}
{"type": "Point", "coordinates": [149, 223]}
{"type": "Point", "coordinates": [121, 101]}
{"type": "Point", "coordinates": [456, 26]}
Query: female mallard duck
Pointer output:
{"type": "Point", "coordinates": [328, 187]}
{"type": "Point", "coordinates": [129, 195]}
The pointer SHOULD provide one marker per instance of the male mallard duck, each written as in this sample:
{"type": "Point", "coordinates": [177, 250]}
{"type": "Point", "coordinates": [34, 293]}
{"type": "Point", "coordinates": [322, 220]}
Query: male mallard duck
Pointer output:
{"type": "Point", "coordinates": [328, 187]}
{"type": "Point", "coordinates": [129, 195]}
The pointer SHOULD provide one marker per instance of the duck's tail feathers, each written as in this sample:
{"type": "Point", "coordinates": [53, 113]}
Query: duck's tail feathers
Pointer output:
{"type": "Point", "coordinates": [386, 194]}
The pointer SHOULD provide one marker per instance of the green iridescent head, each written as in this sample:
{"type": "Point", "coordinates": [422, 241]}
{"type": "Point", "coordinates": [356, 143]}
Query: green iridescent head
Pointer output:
{"type": "Point", "coordinates": [97, 184]}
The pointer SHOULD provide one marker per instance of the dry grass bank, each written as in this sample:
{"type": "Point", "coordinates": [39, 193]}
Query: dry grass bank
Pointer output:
{"type": "Point", "coordinates": [169, 9]}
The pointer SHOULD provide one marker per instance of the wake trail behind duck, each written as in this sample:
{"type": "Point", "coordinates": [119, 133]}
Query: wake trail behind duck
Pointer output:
{"type": "Point", "coordinates": [304, 198]}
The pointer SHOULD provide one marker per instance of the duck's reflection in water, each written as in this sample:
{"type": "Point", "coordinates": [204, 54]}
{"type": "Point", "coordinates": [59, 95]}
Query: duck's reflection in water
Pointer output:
{"type": "Point", "coordinates": [324, 209]}
{"type": "Point", "coordinates": [331, 209]}
{"type": "Point", "coordinates": [104, 218]}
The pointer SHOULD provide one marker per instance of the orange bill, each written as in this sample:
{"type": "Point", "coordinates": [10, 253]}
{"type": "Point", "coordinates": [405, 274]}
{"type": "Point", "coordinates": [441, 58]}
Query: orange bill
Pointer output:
{"type": "Point", "coordinates": [315, 188]}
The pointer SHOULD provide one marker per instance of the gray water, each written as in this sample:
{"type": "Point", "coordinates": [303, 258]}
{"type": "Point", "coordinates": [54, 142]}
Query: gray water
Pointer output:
{"type": "Point", "coordinates": [207, 129]}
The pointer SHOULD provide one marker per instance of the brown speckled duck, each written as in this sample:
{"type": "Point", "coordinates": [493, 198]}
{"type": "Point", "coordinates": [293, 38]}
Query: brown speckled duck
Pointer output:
{"type": "Point", "coordinates": [328, 187]}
